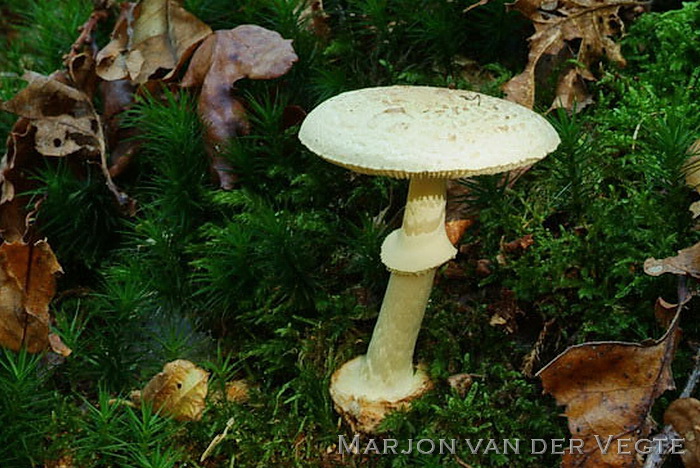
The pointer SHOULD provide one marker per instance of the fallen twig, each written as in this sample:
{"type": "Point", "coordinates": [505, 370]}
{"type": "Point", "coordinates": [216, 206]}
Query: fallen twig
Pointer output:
{"type": "Point", "coordinates": [87, 31]}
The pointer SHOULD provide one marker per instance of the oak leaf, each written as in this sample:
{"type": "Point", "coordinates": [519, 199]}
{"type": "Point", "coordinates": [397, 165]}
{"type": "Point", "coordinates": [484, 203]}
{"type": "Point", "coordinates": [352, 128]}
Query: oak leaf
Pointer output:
{"type": "Point", "coordinates": [608, 389]}
{"type": "Point", "coordinates": [150, 40]}
{"type": "Point", "coordinates": [27, 286]}
{"type": "Point", "coordinates": [684, 415]}
{"type": "Point", "coordinates": [179, 390]}
{"type": "Point", "coordinates": [584, 30]}
{"type": "Point", "coordinates": [224, 58]}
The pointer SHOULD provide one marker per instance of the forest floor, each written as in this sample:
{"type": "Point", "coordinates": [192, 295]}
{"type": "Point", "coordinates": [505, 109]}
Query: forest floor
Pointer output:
{"type": "Point", "coordinates": [158, 208]}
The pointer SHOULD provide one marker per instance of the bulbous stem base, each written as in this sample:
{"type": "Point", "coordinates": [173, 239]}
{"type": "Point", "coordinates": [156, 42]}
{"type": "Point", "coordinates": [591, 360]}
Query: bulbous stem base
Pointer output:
{"type": "Point", "coordinates": [365, 410]}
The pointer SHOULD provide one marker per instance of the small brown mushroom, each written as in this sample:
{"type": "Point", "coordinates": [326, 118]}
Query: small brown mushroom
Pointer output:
{"type": "Point", "coordinates": [427, 135]}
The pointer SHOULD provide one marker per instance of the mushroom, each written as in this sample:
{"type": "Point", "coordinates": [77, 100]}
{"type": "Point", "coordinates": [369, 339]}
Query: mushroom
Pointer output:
{"type": "Point", "coordinates": [427, 135]}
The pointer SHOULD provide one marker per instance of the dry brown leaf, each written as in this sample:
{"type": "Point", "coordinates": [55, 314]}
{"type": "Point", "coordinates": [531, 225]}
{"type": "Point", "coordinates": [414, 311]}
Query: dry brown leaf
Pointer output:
{"type": "Point", "coordinates": [151, 40]}
{"type": "Point", "coordinates": [687, 262]}
{"type": "Point", "coordinates": [81, 73]}
{"type": "Point", "coordinates": [456, 228]}
{"type": "Point", "coordinates": [58, 346]}
{"type": "Point", "coordinates": [664, 312]}
{"type": "Point", "coordinates": [608, 389]}
{"type": "Point", "coordinates": [27, 285]}
{"type": "Point", "coordinates": [15, 180]}
{"type": "Point", "coordinates": [580, 29]}
{"type": "Point", "coordinates": [224, 58]}
{"type": "Point", "coordinates": [483, 267]}
{"type": "Point", "coordinates": [63, 122]}
{"type": "Point", "coordinates": [178, 391]}
{"type": "Point", "coordinates": [457, 215]}
{"type": "Point", "coordinates": [117, 97]}
{"type": "Point", "coordinates": [64, 118]}
{"type": "Point", "coordinates": [518, 245]}
{"type": "Point", "coordinates": [571, 92]}
{"type": "Point", "coordinates": [684, 415]}
{"type": "Point", "coordinates": [454, 270]}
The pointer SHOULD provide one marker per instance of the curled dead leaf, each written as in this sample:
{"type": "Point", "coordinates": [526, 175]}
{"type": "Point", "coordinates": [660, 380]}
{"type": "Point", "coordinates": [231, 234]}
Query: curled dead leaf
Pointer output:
{"type": "Point", "coordinates": [592, 26]}
{"type": "Point", "coordinates": [179, 390]}
{"type": "Point", "coordinates": [483, 267]}
{"type": "Point", "coordinates": [58, 346]}
{"type": "Point", "coordinates": [63, 116]}
{"type": "Point", "coordinates": [63, 123]}
{"type": "Point", "coordinates": [684, 415]}
{"type": "Point", "coordinates": [224, 58]}
{"type": "Point", "coordinates": [664, 312]}
{"type": "Point", "coordinates": [151, 40]}
{"type": "Point", "coordinates": [118, 97]}
{"type": "Point", "coordinates": [608, 389]}
{"type": "Point", "coordinates": [315, 18]}
{"type": "Point", "coordinates": [15, 180]}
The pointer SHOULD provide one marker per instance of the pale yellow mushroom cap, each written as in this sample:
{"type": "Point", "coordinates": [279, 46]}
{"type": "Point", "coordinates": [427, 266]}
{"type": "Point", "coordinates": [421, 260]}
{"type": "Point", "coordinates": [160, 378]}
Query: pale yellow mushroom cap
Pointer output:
{"type": "Point", "coordinates": [410, 131]}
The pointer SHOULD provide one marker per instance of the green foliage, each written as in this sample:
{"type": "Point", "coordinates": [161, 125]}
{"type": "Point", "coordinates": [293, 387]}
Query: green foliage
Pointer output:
{"type": "Point", "coordinates": [499, 406]}
{"type": "Point", "coordinates": [274, 252]}
{"type": "Point", "coordinates": [43, 34]}
{"type": "Point", "coordinates": [25, 409]}
{"type": "Point", "coordinates": [664, 47]}
{"type": "Point", "coordinates": [113, 434]}
{"type": "Point", "coordinates": [78, 214]}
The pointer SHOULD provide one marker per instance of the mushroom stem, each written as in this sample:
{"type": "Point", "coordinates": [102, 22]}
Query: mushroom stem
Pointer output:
{"type": "Point", "coordinates": [425, 206]}
{"type": "Point", "coordinates": [421, 243]}
{"type": "Point", "coordinates": [389, 359]}
{"type": "Point", "coordinates": [384, 379]}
